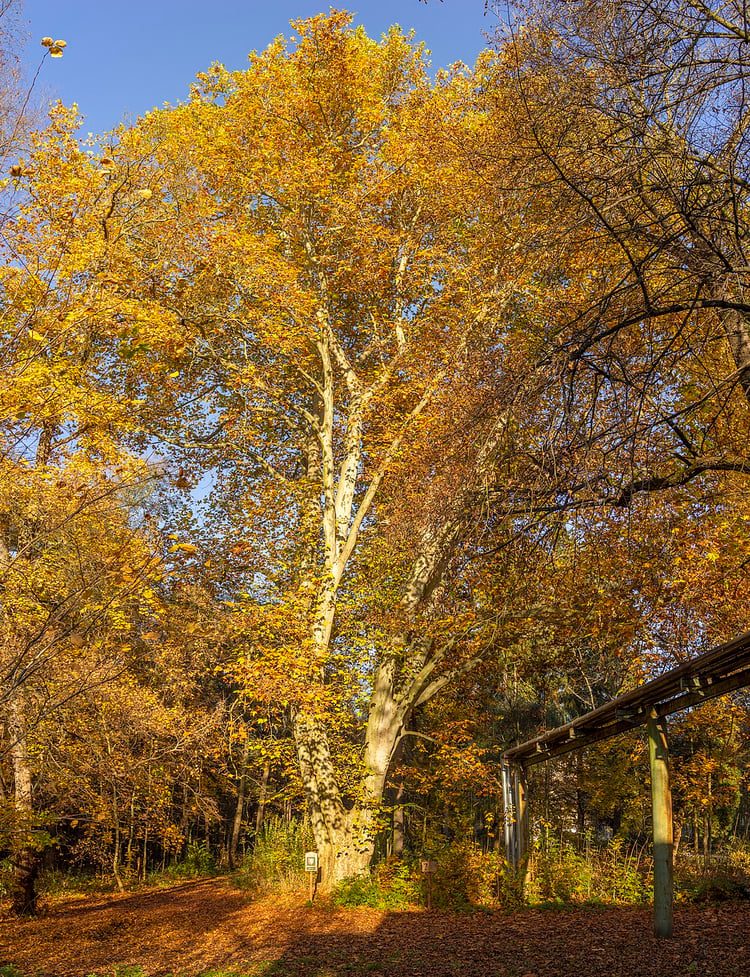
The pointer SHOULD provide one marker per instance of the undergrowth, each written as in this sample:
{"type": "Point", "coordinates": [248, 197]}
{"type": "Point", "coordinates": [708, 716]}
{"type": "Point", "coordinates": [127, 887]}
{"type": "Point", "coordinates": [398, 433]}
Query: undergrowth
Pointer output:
{"type": "Point", "coordinates": [558, 872]}
{"type": "Point", "coordinates": [276, 862]}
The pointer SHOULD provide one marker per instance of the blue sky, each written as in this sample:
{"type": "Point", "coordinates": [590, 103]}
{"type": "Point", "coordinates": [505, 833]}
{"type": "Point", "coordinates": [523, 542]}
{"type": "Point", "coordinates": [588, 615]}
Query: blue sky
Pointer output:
{"type": "Point", "coordinates": [123, 59]}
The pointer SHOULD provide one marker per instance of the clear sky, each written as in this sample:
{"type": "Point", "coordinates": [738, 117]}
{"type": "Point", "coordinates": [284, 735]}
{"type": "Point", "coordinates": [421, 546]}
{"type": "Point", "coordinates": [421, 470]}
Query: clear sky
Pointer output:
{"type": "Point", "coordinates": [123, 59]}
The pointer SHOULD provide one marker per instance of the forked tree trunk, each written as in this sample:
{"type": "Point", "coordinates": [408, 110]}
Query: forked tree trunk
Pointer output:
{"type": "Point", "coordinates": [409, 674]}
{"type": "Point", "coordinates": [345, 836]}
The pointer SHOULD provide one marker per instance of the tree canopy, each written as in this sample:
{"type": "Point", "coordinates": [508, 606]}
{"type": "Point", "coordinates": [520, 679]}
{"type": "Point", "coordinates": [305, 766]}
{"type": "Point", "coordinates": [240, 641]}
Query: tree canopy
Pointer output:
{"type": "Point", "coordinates": [358, 420]}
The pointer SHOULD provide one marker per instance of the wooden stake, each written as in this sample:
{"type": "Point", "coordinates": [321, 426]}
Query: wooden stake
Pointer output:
{"type": "Point", "coordinates": [661, 801]}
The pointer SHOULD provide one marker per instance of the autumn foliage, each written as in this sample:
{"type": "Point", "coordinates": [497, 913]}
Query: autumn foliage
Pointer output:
{"type": "Point", "coordinates": [357, 421]}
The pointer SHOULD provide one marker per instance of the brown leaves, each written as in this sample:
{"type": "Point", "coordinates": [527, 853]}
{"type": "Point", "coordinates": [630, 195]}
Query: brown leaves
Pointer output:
{"type": "Point", "coordinates": [204, 926]}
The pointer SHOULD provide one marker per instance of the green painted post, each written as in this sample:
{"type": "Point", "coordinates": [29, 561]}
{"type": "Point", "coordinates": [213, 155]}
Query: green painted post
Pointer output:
{"type": "Point", "coordinates": [661, 801]}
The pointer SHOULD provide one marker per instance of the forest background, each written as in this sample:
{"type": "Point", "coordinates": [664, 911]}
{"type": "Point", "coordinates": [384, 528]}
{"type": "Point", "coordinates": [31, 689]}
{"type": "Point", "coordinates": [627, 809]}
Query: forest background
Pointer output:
{"type": "Point", "coordinates": [359, 422]}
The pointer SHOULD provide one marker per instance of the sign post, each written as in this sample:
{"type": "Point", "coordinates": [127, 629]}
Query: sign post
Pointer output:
{"type": "Point", "coordinates": [311, 867]}
{"type": "Point", "coordinates": [429, 867]}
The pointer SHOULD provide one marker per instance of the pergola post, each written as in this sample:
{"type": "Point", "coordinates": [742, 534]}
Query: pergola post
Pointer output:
{"type": "Point", "coordinates": [515, 821]}
{"type": "Point", "coordinates": [661, 802]}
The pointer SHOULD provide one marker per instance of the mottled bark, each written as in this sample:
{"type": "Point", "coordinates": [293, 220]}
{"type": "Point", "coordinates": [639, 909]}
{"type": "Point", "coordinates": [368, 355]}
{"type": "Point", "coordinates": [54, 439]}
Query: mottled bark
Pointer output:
{"type": "Point", "coordinates": [24, 857]}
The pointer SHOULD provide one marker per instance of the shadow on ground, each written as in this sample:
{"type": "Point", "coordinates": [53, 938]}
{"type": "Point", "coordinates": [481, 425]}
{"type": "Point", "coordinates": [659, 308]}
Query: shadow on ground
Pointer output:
{"type": "Point", "coordinates": [206, 927]}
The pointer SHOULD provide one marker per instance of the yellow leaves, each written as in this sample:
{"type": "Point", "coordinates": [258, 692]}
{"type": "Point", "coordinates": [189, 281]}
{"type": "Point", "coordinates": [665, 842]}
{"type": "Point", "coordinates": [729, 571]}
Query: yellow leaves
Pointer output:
{"type": "Point", "coordinates": [55, 48]}
{"type": "Point", "coordinates": [186, 548]}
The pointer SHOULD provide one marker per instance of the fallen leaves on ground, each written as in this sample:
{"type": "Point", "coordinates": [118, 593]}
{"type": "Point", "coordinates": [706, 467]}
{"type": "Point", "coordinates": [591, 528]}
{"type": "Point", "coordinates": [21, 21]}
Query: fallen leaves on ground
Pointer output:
{"type": "Point", "coordinates": [207, 926]}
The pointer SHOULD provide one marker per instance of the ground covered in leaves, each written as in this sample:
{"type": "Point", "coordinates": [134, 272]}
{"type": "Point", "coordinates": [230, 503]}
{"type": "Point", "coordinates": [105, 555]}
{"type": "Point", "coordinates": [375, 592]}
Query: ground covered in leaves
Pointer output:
{"type": "Point", "coordinates": [206, 927]}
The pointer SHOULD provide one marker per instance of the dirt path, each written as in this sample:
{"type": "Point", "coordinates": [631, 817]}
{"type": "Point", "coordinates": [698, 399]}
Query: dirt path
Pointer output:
{"type": "Point", "coordinates": [202, 926]}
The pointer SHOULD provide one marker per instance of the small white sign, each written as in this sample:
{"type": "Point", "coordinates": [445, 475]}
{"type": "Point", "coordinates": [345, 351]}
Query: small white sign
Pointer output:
{"type": "Point", "coordinates": [429, 866]}
{"type": "Point", "coordinates": [311, 861]}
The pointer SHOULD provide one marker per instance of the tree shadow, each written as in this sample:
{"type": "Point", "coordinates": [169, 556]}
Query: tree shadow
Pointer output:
{"type": "Point", "coordinates": [611, 941]}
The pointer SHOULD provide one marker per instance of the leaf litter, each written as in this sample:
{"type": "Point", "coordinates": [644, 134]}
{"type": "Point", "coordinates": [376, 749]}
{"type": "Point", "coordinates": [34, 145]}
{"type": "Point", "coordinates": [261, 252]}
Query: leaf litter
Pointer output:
{"type": "Point", "coordinates": [206, 927]}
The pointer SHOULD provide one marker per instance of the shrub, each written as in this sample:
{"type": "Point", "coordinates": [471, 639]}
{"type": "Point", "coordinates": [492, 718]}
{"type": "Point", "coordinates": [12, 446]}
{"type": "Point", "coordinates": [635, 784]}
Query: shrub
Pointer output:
{"type": "Point", "coordinates": [277, 858]}
{"type": "Point", "coordinates": [359, 890]}
{"type": "Point", "coordinates": [722, 877]}
{"type": "Point", "coordinates": [465, 877]}
{"type": "Point", "coordinates": [394, 884]}
{"type": "Point", "coordinates": [198, 861]}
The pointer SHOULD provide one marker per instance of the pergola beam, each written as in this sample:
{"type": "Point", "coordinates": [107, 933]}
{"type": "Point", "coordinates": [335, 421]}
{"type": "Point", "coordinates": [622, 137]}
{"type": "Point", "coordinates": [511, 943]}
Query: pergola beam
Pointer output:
{"type": "Point", "coordinates": [723, 669]}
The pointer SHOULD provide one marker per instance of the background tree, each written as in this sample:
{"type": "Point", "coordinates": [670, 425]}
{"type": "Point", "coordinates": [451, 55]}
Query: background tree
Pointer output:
{"type": "Point", "coordinates": [635, 116]}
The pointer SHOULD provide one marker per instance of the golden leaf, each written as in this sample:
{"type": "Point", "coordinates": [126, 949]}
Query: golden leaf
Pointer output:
{"type": "Point", "coordinates": [61, 43]}
{"type": "Point", "coordinates": [47, 42]}
{"type": "Point", "coordinates": [55, 51]}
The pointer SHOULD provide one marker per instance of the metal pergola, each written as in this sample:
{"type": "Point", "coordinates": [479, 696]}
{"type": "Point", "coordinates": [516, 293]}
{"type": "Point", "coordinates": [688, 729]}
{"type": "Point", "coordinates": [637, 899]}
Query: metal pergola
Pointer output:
{"type": "Point", "coordinates": [723, 669]}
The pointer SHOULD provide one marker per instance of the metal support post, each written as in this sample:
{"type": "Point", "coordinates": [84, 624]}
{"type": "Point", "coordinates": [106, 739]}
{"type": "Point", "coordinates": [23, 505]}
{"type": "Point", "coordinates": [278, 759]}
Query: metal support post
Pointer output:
{"type": "Point", "coordinates": [515, 821]}
{"type": "Point", "coordinates": [509, 815]}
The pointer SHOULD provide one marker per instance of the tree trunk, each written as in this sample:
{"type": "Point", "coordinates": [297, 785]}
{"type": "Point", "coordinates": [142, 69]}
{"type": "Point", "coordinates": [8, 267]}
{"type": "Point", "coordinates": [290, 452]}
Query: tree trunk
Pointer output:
{"type": "Point", "coordinates": [144, 862]}
{"type": "Point", "coordinates": [24, 857]}
{"type": "Point", "coordinates": [345, 837]}
{"type": "Point", "coordinates": [262, 797]}
{"type": "Point", "coordinates": [738, 339]}
{"type": "Point", "coordinates": [237, 823]}
{"type": "Point", "coordinates": [677, 839]}
{"type": "Point", "coordinates": [408, 675]}
{"type": "Point", "coordinates": [399, 834]}
{"type": "Point", "coordinates": [117, 852]}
